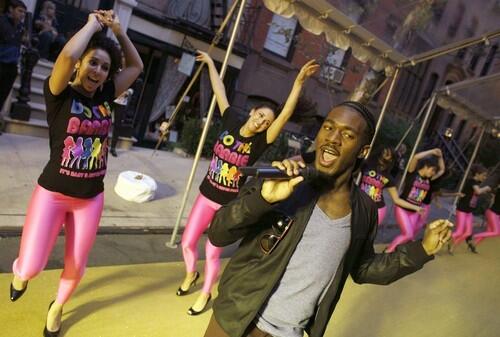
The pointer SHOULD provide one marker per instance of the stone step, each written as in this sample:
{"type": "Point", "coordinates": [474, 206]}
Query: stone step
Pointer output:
{"type": "Point", "coordinates": [38, 110]}
{"type": "Point", "coordinates": [33, 127]}
{"type": "Point", "coordinates": [43, 68]}
{"type": "Point", "coordinates": [37, 80]}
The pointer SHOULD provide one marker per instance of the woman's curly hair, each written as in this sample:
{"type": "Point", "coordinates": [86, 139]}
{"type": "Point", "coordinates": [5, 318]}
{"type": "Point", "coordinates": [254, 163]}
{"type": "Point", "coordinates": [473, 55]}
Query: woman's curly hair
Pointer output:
{"type": "Point", "coordinates": [100, 41]}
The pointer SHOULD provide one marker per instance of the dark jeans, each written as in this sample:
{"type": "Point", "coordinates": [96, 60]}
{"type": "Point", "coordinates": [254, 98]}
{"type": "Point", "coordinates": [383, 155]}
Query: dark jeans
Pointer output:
{"type": "Point", "coordinates": [117, 123]}
{"type": "Point", "coordinates": [8, 73]}
{"type": "Point", "coordinates": [49, 45]}
{"type": "Point", "coordinates": [215, 330]}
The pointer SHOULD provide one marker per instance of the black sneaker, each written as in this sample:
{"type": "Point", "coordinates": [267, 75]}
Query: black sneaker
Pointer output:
{"type": "Point", "coordinates": [113, 153]}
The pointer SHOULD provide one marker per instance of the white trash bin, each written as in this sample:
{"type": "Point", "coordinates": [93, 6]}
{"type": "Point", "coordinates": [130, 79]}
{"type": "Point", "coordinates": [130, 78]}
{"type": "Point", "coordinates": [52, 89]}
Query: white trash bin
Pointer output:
{"type": "Point", "coordinates": [135, 186]}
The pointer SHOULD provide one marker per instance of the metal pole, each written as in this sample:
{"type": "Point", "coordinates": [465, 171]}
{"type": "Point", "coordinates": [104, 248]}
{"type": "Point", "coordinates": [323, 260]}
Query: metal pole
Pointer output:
{"type": "Point", "coordinates": [450, 49]}
{"type": "Point", "coordinates": [384, 109]}
{"type": "Point", "coordinates": [211, 110]}
{"type": "Point", "coordinates": [419, 137]}
{"type": "Point", "coordinates": [467, 170]}
{"type": "Point", "coordinates": [407, 132]}
{"type": "Point", "coordinates": [379, 121]}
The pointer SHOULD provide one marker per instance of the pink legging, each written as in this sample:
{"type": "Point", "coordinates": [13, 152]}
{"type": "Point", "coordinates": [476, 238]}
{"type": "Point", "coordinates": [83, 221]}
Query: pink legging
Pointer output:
{"type": "Point", "coordinates": [47, 212]}
{"type": "Point", "coordinates": [199, 219]}
{"type": "Point", "coordinates": [492, 227]}
{"type": "Point", "coordinates": [463, 226]}
{"type": "Point", "coordinates": [381, 214]}
{"type": "Point", "coordinates": [422, 219]}
{"type": "Point", "coordinates": [407, 222]}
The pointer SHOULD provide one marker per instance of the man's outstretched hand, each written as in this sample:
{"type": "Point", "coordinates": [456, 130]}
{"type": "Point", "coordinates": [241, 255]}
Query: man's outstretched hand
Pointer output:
{"type": "Point", "coordinates": [436, 235]}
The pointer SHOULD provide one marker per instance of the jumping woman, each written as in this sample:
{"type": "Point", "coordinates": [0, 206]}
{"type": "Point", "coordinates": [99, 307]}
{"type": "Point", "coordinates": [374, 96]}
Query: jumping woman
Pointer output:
{"type": "Point", "coordinates": [239, 144]}
{"type": "Point", "coordinates": [69, 192]}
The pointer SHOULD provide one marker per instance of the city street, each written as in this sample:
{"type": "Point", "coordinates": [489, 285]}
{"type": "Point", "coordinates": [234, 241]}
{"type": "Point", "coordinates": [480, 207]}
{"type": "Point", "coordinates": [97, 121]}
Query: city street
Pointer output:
{"type": "Point", "coordinates": [392, 101]}
{"type": "Point", "coordinates": [23, 158]}
{"type": "Point", "coordinates": [129, 287]}
{"type": "Point", "coordinates": [451, 296]}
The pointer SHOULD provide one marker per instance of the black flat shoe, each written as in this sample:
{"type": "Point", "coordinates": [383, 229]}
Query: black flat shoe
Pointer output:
{"type": "Point", "coordinates": [113, 153]}
{"type": "Point", "coordinates": [15, 294]}
{"type": "Point", "coordinates": [472, 248]}
{"type": "Point", "coordinates": [181, 292]}
{"type": "Point", "coordinates": [193, 312]}
{"type": "Point", "coordinates": [46, 332]}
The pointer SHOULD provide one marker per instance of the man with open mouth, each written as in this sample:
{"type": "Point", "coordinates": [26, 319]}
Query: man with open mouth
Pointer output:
{"type": "Point", "coordinates": [301, 239]}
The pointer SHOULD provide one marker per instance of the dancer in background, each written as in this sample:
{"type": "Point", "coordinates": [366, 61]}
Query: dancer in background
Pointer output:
{"type": "Point", "coordinates": [424, 167]}
{"type": "Point", "coordinates": [70, 189]}
{"type": "Point", "coordinates": [492, 216]}
{"type": "Point", "coordinates": [435, 192]}
{"type": "Point", "coordinates": [376, 177]}
{"type": "Point", "coordinates": [11, 38]}
{"type": "Point", "coordinates": [467, 204]}
{"type": "Point", "coordinates": [239, 144]}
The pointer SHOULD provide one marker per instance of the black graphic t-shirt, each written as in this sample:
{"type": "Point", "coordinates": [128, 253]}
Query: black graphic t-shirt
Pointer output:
{"type": "Point", "coordinates": [469, 201]}
{"type": "Point", "coordinates": [231, 151]}
{"type": "Point", "coordinates": [415, 189]}
{"type": "Point", "coordinates": [435, 186]}
{"type": "Point", "coordinates": [78, 131]}
{"type": "Point", "coordinates": [373, 183]}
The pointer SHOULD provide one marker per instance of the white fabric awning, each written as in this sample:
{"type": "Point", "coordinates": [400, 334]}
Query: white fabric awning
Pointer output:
{"type": "Point", "coordinates": [475, 99]}
{"type": "Point", "coordinates": [320, 17]}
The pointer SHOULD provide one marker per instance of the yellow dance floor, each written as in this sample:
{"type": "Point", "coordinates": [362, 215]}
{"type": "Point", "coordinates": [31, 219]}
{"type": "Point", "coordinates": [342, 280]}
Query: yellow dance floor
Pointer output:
{"type": "Point", "coordinates": [455, 296]}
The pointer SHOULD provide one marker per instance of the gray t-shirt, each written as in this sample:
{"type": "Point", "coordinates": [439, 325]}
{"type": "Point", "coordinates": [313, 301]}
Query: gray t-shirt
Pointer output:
{"type": "Point", "coordinates": [310, 271]}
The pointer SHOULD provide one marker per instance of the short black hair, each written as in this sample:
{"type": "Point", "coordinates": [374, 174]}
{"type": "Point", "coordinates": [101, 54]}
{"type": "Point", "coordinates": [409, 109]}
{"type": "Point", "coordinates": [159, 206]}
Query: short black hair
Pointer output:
{"type": "Point", "coordinates": [275, 108]}
{"type": "Point", "coordinates": [375, 155]}
{"type": "Point", "coordinates": [369, 131]}
{"type": "Point", "coordinates": [100, 41]}
{"type": "Point", "coordinates": [16, 3]}
{"type": "Point", "coordinates": [477, 169]}
{"type": "Point", "coordinates": [430, 161]}
{"type": "Point", "coordinates": [367, 116]}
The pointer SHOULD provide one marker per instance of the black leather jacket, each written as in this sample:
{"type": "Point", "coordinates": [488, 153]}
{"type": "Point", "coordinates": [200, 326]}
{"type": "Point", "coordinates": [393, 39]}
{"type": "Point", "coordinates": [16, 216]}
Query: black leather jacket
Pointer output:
{"type": "Point", "coordinates": [250, 276]}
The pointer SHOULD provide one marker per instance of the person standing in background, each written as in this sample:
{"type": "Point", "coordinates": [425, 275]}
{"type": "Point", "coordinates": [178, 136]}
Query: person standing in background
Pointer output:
{"type": "Point", "coordinates": [51, 41]}
{"type": "Point", "coordinates": [11, 35]}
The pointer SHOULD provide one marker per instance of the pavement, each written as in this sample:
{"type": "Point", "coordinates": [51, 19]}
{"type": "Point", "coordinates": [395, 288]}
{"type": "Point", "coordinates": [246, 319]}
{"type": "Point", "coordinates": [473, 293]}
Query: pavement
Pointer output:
{"type": "Point", "coordinates": [454, 296]}
{"type": "Point", "coordinates": [129, 287]}
{"type": "Point", "coordinates": [23, 158]}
